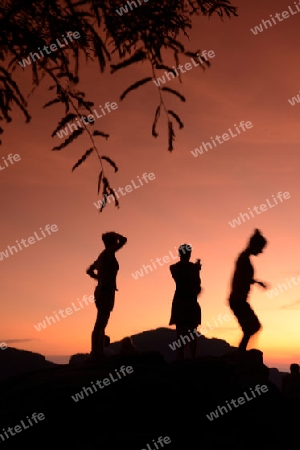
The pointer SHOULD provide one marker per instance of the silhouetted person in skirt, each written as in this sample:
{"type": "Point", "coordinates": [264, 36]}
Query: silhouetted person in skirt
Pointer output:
{"type": "Point", "coordinates": [242, 280]}
{"type": "Point", "coordinates": [186, 311]}
{"type": "Point", "coordinates": [106, 267]}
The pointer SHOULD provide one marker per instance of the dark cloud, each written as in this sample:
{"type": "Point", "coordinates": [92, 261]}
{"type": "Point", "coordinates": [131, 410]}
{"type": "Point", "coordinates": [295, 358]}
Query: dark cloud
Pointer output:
{"type": "Point", "coordinates": [294, 305]}
{"type": "Point", "coordinates": [15, 341]}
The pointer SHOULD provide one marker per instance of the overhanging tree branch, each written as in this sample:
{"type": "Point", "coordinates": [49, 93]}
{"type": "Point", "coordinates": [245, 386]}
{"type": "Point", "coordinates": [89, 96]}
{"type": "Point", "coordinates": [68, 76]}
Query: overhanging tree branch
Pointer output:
{"type": "Point", "coordinates": [29, 28]}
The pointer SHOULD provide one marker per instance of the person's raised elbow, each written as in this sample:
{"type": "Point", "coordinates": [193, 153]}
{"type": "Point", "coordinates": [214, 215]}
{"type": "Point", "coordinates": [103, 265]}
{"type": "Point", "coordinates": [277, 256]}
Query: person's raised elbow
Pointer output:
{"type": "Point", "coordinates": [123, 240]}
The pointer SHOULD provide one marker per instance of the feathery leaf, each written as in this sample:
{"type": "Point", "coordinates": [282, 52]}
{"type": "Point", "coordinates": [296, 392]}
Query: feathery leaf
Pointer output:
{"type": "Point", "coordinates": [83, 158]}
{"type": "Point", "coordinates": [100, 133]}
{"type": "Point", "coordinates": [167, 68]}
{"type": "Point", "coordinates": [139, 55]}
{"type": "Point", "coordinates": [106, 158]}
{"type": "Point", "coordinates": [176, 43]}
{"type": "Point", "coordinates": [69, 140]}
{"type": "Point", "coordinates": [99, 181]}
{"type": "Point", "coordinates": [157, 114]}
{"type": "Point", "coordinates": [105, 193]}
{"type": "Point", "coordinates": [63, 122]}
{"type": "Point", "coordinates": [56, 100]}
{"type": "Point", "coordinates": [112, 192]}
{"type": "Point", "coordinates": [176, 117]}
{"type": "Point", "coordinates": [172, 91]}
{"type": "Point", "coordinates": [171, 136]}
{"type": "Point", "coordinates": [135, 86]}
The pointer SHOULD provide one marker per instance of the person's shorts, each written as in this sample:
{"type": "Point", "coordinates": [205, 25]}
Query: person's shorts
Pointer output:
{"type": "Point", "coordinates": [104, 298]}
{"type": "Point", "coordinates": [246, 317]}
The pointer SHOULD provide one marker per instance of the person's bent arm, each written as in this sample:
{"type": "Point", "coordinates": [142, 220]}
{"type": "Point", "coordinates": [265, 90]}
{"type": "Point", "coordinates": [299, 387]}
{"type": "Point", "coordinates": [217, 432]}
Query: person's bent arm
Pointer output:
{"type": "Point", "coordinates": [197, 278]}
{"type": "Point", "coordinates": [260, 283]}
{"type": "Point", "coordinates": [173, 271]}
{"type": "Point", "coordinates": [91, 272]}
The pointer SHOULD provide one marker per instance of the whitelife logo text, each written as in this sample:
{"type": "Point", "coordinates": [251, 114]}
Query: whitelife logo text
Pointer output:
{"type": "Point", "coordinates": [259, 209]}
{"type": "Point", "coordinates": [188, 66]}
{"type": "Point", "coordinates": [144, 270]}
{"type": "Point", "coordinates": [68, 311]}
{"type": "Point", "coordinates": [177, 344]}
{"type": "Point", "coordinates": [53, 48]}
{"type": "Point", "coordinates": [124, 8]}
{"type": "Point", "coordinates": [292, 101]}
{"type": "Point", "coordinates": [86, 120]}
{"type": "Point", "coordinates": [11, 158]}
{"type": "Point", "coordinates": [129, 188]}
{"type": "Point", "coordinates": [241, 401]}
{"type": "Point", "coordinates": [101, 384]}
{"type": "Point", "coordinates": [285, 15]}
{"type": "Point", "coordinates": [274, 292]}
{"type": "Point", "coordinates": [225, 136]}
{"type": "Point", "coordinates": [31, 240]}
{"type": "Point", "coordinates": [23, 426]}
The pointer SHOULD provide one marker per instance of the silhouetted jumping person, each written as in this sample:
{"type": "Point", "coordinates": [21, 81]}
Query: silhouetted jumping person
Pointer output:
{"type": "Point", "coordinates": [240, 287]}
{"type": "Point", "coordinates": [106, 267]}
{"type": "Point", "coordinates": [186, 311]}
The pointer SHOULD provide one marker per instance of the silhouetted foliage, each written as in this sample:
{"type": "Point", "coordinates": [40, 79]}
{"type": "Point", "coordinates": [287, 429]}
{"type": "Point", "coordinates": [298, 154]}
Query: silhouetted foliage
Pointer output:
{"type": "Point", "coordinates": [157, 114]}
{"type": "Point", "coordinates": [140, 35]}
{"type": "Point", "coordinates": [176, 118]}
{"type": "Point", "coordinates": [106, 158]}
{"type": "Point", "coordinates": [135, 86]}
{"type": "Point", "coordinates": [83, 158]}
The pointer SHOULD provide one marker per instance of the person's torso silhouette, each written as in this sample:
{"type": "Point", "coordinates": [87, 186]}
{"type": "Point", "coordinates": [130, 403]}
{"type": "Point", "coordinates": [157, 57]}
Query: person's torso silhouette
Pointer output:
{"type": "Point", "coordinates": [242, 278]}
{"type": "Point", "coordinates": [107, 268]}
{"type": "Point", "coordinates": [187, 278]}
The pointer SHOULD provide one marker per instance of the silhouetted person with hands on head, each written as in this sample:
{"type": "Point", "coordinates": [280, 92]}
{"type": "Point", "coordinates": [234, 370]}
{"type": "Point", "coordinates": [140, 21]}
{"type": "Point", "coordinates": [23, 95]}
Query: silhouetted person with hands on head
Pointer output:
{"type": "Point", "coordinates": [240, 287]}
{"type": "Point", "coordinates": [186, 311]}
{"type": "Point", "coordinates": [106, 267]}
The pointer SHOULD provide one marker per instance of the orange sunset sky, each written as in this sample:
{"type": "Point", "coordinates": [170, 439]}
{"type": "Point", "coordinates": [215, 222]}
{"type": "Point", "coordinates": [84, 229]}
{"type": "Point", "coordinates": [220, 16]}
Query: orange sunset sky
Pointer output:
{"type": "Point", "coordinates": [190, 200]}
